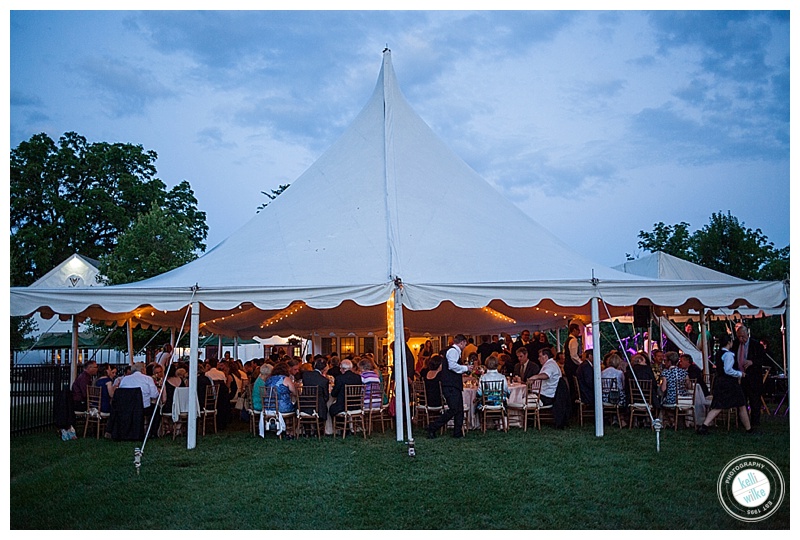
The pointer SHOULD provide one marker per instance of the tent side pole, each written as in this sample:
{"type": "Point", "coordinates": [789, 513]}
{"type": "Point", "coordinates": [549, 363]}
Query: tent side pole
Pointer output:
{"type": "Point", "coordinates": [598, 385]}
{"type": "Point", "coordinates": [194, 339]}
{"type": "Point", "coordinates": [130, 340]}
{"type": "Point", "coordinates": [73, 368]}
{"type": "Point", "coordinates": [399, 366]}
{"type": "Point", "coordinates": [786, 335]}
{"type": "Point", "coordinates": [703, 339]}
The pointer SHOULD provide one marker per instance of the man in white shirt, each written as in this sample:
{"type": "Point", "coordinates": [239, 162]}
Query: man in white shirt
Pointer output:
{"type": "Point", "coordinates": [550, 375]}
{"type": "Point", "coordinates": [137, 379]}
{"type": "Point", "coordinates": [452, 388]}
{"type": "Point", "coordinates": [213, 373]}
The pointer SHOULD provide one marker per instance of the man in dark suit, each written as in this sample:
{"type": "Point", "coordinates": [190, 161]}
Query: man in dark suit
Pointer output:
{"type": "Point", "coordinates": [316, 378]}
{"type": "Point", "coordinates": [347, 377]}
{"type": "Point", "coordinates": [750, 356]}
{"type": "Point", "coordinates": [525, 368]}
{"type": "Point", "coordinates": [585, 375]}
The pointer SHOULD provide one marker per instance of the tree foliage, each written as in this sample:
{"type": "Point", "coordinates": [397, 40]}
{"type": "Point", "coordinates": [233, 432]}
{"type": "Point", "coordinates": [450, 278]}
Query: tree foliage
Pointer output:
{"type": "Point", "coordinates": [725, 245]}
{"type": "Point", "coordinates": [156, 243]}
{"type": "Point", "coordinates": [78, 197]}
{"type": "Point", "coordinates": [272, 196]}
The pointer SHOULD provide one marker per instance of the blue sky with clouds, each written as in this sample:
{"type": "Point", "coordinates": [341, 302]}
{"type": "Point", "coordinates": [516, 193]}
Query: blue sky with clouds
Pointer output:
{"type": "Point", "coordinates": [597, 124]}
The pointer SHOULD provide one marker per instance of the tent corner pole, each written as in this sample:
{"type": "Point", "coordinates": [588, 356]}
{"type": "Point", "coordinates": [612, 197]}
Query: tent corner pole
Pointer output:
{"type": "Point", "coordinates": [73, 368]}
{"type": "Point", "coordinates": [399, 365]}
{"type": "Point", "coordinates": [130, 340]}
{"type": "Point", "coordinates": [194, 340]}
{"type": "Point", "coordinates": [598, 385]}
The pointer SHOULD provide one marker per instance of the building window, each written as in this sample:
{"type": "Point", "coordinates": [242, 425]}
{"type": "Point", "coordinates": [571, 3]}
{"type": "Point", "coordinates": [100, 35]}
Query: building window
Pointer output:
{"type": "Point", "coordinates": [366, 345]}
{"type": "Point", "coordinates": [328, 345]}
{"type": "Point", "coordinates": [348, 345]}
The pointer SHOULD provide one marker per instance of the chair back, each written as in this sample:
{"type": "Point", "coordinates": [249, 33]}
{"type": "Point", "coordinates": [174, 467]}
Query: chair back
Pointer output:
{"type": "Point", "coordinates": [610, 390]}
{"type": "Point", "coordinates": [373, 397]}
{"type": "Point", "coordinates": [94, 395]}
{"type": "Point", "coordinates": [420, 396]}
{"type": "Point", "coordinates": [210, 401]}
{"type": "Point", "coordinates": [269, 399]}
{"type": "Point", "coordinates": [307, 401]}
{"type": "Point", "coordinates": [492, 393]}
{"type": "Point", "coordinates": [353, 397]}
{"type": "Point", "coordinates": [534, 390]}
{"type": "Point", "coordinates": [643, 398]}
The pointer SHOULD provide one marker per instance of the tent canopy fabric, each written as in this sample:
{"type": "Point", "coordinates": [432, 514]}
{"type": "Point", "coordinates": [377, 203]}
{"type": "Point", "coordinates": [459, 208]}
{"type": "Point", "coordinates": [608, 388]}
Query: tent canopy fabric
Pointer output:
{"type": "Point", "coordinates": [387, 205]}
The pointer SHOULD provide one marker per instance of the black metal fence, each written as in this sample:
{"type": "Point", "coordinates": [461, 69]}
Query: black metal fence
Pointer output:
{"type": "Point", "coordinates": [33, 392]}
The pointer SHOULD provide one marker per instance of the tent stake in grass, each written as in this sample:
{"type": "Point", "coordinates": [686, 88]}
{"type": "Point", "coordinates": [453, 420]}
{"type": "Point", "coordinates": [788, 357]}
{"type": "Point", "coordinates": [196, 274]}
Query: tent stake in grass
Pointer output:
{"type": "Point", "coordinates": [137, 459]}
{"type": "Point", "coordinates": [657, 427]}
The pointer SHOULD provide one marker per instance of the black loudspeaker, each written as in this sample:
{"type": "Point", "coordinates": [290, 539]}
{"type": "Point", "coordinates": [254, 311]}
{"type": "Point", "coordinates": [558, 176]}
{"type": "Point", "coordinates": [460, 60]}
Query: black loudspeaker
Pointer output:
{"type": "Point", "coordinates": [641, 316]}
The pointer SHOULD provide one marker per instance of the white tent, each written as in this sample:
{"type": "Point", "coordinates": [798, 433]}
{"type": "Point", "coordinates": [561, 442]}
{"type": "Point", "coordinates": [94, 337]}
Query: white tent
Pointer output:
{"type": "Point", "coordinates": [386, 213]}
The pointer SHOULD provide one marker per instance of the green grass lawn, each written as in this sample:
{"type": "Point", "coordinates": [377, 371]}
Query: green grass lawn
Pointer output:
{"type": "Point", "coordinates": [551, 479]}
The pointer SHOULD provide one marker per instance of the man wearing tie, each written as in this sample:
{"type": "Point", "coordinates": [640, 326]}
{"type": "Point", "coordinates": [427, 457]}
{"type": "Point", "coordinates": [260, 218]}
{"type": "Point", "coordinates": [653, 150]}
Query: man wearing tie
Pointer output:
{"type": "Point", "coordinates": [525, 368]}
{"type": "Point", "coordinates": [749, 360]}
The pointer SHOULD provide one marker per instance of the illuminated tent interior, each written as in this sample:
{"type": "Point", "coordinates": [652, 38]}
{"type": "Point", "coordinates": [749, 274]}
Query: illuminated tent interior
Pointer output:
{"type": "Point", "coordinates": [387, 208]}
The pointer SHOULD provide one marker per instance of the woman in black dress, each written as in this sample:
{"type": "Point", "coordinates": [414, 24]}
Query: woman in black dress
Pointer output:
{"type": "Point", "coordinates": [727, 392]}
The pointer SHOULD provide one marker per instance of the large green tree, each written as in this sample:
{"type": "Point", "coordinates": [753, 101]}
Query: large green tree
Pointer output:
{"type": "Point", "coordinates": [78, 197]}
{"type": "Point", "coordinates": [156, 243]}
{"type": "Point", "coordinates": [725, 244]}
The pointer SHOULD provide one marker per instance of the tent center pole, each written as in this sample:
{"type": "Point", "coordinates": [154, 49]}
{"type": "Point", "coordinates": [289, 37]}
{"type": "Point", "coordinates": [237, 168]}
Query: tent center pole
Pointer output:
{"type": "Point", "coordinates": [194, 340]}
{"type": "Point", "coordinates": [598, 385]}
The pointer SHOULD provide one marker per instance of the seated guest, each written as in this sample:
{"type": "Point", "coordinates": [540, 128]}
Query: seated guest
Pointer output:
{"type": "Point", "coordinates": [525, 368]}
{"type": "Point", "coordinates": [492, 375]}
{"type": "Point", "coordinates": [283, 382]}
{"type": "Point", "coordinates": [373, 400]}
{"type": "Point", "coordinates": [82, 382]}
{"type": "Point", "coordinates": [264, 373]}
{"type": "Point", "coordinates": [333, 367]}
{"type": "Point", "coordinates": [550, 374]}
{"type": "Point", "coordinates": [673, 380]}
{"type": "Point", "coordinates": [612, 371]}
{"type": "Point", "coordinates": [585, 374]}
{"type": "Point", "coordinates": [643, 373]}
{"type": "Point", "coordinates": [138, 379]}
{"type": "Point", "coordinates": [316, 377]}
{"type": "Point", "coordinates": [432, 380]}
{"type": "Point", "coordinates": [106, 384]}
{"type": "Point", "coordinates": [694, 372]}
{"type": "Point", "coordinates": [346, 378]}
{"type": "Point", "coordinates": [215, 374]}
{"type": "Point", "coordinates": [172, 382]}
{"type": "Point", "coordinates": [505, 364]}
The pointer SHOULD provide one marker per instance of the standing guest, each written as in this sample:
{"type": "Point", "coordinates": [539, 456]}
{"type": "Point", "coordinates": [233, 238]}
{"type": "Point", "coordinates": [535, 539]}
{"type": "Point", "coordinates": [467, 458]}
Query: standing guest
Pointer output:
{"type": "Point", "coordinates": [549, 374]}
{"type": "Point", "coordinates": [433, 380]}
{"type": "Point", "coordinates": [82, 382]}
{"type": "Point", "coordinates": [523, 339]}
{"type": "Point", "coordinates": [106, 384]}
{"type": "Point", "coordinates": [506, 345]}
{"type": "Point", "coordinates": [346, 378]}
{"type": "Point", "coordinates": [750, 356]}
{"type": "Point", "coordinates": [585, 375]}
{"type": "Point", "coordinates": [468, 350]}
{"type": "Point", "coordinates": [691, 335]}
{"type": "Point", "coordinates": [138, 379]}
{"type": "Point", "coordinates": [485, 349]}
{"type": "Point", "coordinates": [452, 388]}
{"type": "Point", "coordinates": [316, 377]}
{"type": "Point", "coordinates": [525, 368]}
{"type": "Point", "coordinates": [728, 392]}
{"type": "Point", "coordinates": [164, 356]}
{"type": "Point", "coordinates": [424, 355]}
{"type": "Point", "coordinates": [572, 356]}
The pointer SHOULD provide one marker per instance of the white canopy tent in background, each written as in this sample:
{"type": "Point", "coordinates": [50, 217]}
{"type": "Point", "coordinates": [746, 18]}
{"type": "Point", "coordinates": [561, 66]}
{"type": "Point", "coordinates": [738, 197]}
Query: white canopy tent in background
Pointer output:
{"type": "Point", "coordinates": [374, 231]}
